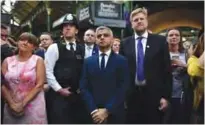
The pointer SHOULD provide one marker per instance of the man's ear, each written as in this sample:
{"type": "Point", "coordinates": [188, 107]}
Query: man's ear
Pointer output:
{"type": "Point", "coordinates": [76, 31]}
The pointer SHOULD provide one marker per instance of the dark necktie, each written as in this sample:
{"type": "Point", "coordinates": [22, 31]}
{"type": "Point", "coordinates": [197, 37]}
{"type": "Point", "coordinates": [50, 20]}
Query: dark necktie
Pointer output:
{"type": "Point", "coordinates": [140, 60]}
{"type": "Point", "coordinates": [71, 47]}
{"type": "Point", "coordinates": [102, 61]}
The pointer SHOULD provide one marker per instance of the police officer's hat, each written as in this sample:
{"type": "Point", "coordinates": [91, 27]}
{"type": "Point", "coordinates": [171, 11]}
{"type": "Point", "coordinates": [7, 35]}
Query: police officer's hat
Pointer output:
{"type": "Point", "coordinates": [70, 19]}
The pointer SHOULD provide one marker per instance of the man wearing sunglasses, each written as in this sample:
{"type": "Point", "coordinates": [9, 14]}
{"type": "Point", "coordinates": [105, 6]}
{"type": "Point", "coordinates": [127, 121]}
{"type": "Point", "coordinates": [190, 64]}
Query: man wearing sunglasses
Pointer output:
{"type": "Point", "coordinates": [89, 45]}
{"type": "Point", "coordinates": [104, 81]}
{"type": "Point", "coordinates": [150, 71]}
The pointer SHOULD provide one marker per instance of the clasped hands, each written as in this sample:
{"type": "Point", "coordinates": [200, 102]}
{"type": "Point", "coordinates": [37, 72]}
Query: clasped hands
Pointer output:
{"type": "Point", "coordinates": [100, 116]}
{"type": "Point", "coordinates": [177, 62]}
{"type": "Point", "coordinates": [17, 108]}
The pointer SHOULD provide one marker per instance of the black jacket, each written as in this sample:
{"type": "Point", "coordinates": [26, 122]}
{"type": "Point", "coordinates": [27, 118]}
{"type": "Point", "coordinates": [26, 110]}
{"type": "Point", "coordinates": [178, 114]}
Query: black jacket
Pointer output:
{"type": "Point", "coordinates": [157, 66]}
{"type": "Point", "coordinates": [67, 69]}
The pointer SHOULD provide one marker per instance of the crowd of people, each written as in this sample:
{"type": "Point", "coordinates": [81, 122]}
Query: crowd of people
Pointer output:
{"type": "Point", "coordinates": [142, 79]}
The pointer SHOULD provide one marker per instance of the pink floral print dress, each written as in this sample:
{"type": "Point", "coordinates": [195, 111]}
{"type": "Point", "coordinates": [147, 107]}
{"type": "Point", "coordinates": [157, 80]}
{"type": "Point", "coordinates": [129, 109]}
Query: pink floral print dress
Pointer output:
{"type": "Point", "coordinates": [21, 79]}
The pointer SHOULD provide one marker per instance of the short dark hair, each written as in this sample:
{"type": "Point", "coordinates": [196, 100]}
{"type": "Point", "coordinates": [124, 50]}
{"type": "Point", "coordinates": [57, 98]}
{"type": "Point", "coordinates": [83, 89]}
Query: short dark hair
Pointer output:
{"type": "Point", "coordinates": [47, 33]}
{"type": "Point", "coordinates": [91, 29]}
{"type": "Point", "coordinates": [30, 37]}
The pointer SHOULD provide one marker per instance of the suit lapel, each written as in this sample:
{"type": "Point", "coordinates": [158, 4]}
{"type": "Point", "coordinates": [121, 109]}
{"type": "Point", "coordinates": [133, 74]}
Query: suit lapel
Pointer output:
{"type": "Point", "coordinates": [95, 50]}
{"type": "Point", "coordinates": [96, 62]}
{"type": "Point", "coordinates": [132, 47]}
{"type": "Point", "coordinates": [110, 61]}
{"type": "Point", "coordinates": [148, 48]}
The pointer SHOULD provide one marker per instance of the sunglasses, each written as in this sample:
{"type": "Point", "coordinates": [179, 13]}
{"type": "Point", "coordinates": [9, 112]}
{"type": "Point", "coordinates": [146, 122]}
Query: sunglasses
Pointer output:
{"type": "Point", "coordinates": [105, 35]}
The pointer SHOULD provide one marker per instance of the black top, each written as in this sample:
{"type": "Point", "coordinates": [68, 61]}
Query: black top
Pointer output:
{"type": "Point", "coordinates": [67, 69]}
{"type": "Point", "coordinates": [157, 65]}
{"type": "Point", "coordinates": [6, 51]}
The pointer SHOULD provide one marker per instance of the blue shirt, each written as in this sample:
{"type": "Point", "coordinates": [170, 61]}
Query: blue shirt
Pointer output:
{"type": "Point", "coordinates": [40, 52]}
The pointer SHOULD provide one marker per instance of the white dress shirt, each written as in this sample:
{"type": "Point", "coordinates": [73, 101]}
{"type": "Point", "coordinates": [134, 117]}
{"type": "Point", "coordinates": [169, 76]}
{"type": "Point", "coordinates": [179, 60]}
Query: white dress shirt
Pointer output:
{"type": "Point", "coordinates": [144, 43]}
{"type": "Point", "coordinates": [88, 50]}
{"type": "Point", "coordinates": [51, 56]}
{"type": "Point", "coordinates": [107, 54]}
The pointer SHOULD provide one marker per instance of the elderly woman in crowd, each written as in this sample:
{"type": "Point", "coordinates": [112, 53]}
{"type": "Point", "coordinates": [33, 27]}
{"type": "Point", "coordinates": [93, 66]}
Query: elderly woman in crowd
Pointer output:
{"type": "Point", "coordinates": [196, 71]}
{"type": "Point", "coordinates": [23, 91]}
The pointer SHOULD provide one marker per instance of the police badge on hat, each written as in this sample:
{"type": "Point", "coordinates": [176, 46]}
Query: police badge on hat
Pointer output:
{"type": "Point", "coordinates": [69, 17]}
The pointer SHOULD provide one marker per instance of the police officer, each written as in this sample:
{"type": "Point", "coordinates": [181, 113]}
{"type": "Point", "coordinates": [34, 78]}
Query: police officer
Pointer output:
{"type": "Point", "coordinates": [64, 60]}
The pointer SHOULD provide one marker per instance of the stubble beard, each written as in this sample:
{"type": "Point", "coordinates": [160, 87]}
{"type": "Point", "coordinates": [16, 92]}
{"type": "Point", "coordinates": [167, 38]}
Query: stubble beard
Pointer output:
{"type": "Point", "coordinates": [140, 32]}
{"type": "Point", "coordinates": [105, 48]}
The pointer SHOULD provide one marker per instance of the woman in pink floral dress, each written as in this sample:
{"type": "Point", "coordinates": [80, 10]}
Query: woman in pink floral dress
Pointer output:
{"type": "Point", "coordinates": [23, 90]}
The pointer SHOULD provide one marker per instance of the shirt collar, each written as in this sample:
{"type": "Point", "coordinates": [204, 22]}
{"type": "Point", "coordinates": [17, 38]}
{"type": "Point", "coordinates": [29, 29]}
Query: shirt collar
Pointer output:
{"type": "Point", "coordinates": [91, 46]}
{"type": "Point", "coordinates": [144, 35]}
{"type": "Point", "coordinates": [67, 42]}
{"type": "Point", "coordinates": [107, 53]}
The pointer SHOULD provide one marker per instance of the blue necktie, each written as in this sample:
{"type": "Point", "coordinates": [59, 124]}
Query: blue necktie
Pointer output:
{"type": "Point", "coordinates": [140, 60]}
{"type": "Point", "coordinates": [102, 61]}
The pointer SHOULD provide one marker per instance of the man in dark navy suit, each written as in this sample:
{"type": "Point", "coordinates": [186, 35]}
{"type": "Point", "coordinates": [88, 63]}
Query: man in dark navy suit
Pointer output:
{"type": "Point", "coordinates": [90, 47]}
{"type": "Point", "coordinates": [150, 72]}
{"type": "Point", "coordinates": [104, 81]}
